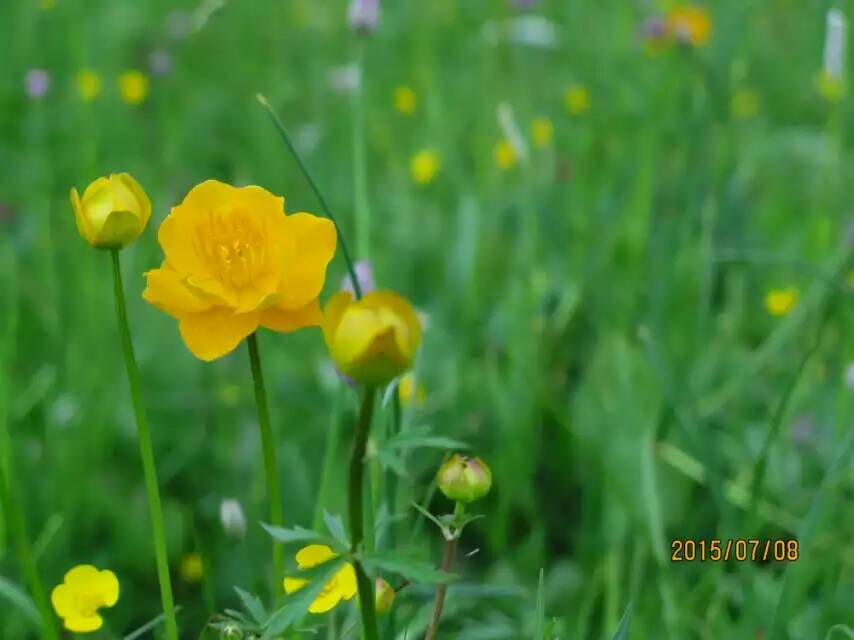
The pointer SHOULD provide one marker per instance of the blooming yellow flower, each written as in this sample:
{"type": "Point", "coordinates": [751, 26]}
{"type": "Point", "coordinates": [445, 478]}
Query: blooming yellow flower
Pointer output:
{"type": "Point", "coordinates": [831, 88]}
{"type": "Point", "coordinates": [505, 154]}
{"type": "Point", "coordinates": [577, 99]}
{"type": "Point", "coordinates": [424, 166]}
{"type": "Point", "coordinates": [133, 86]}
{"type": "Point", "coordinates": [690, 24]}
{"type": "Point", "coordinates": [234, 261]}
{"type": "Point", "coordinates": [410, 391]}
{"type": "Point", "coordinates": [405, 100]}
{"type": "Point", "coordinates": [113, 211]}
{"type": "Point", "coordinates": [83, 591]}
{"type": "Point", "coordinates": [88, 84]}
{"type": "Point", "coordinates": [542, 131]}
{"type": "Point", "coordinates": [374, 339]}
{"type": "Point", "coordinates": [779, 302]}
{"type": "Point", "coordinates": [744, 104]}
{"type": "Point", "coordinates": [342, 586]}
{"type": "Point", "coordinates": [191, 569]}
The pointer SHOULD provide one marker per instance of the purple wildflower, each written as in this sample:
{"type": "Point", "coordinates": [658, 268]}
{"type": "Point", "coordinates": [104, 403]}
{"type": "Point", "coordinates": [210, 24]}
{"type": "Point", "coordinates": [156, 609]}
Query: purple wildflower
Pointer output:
{"type": "Point", "coordinates": [37, 82]}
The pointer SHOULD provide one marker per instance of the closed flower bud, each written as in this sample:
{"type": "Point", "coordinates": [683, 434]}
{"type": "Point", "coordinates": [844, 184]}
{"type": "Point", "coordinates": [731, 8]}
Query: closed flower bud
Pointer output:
{"type": "Point", "coordinates": [232, 518]}
{"type": "Point", "coordinates": [113, 211]}
{"type": "Point", "coordinates": [372, 340]}
{"type": "Point", "coordinates": [384, 596]}
{"type": "Point", "coordinates": [464, 479]}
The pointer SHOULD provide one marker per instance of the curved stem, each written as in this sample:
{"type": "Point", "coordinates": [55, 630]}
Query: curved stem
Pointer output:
{"type": "Point", "coordinates": [146, 454]}
{"type": "Point", "coordinates": [283, 132]}
{"type": "Point", "coordinates": [356, 505]}
{"type": "Point", "coordinates": [268, 446]}
{"type": "Point", "coordinates": [441, 590]}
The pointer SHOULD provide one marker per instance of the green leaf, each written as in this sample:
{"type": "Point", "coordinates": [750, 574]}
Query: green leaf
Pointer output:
{"type": "Point", "coordinates": [253, 605]}
{"type": "Point", "coordinates": [148, 626]}
{"type": "Point", "coordinates": [412, 568]}
{"type": "Point", "coordinates": [622, 632]}
{"type": "Point", "coordinates": [392, 461]}
{"type": "Point", "coordinates": [422, 437]}
{"type": "Point", "coordinates": [442, 527]}
{"type": "Point", "coordinates": [298, 534]}
{"type": "Point", "coordinates": [299, 602]}
{"type": "Point", "coordinates": [335, 525]}
{"type": "Point", "coordinates": [18, 597]}
{"type": "Point", "coordinates": [539, 629]}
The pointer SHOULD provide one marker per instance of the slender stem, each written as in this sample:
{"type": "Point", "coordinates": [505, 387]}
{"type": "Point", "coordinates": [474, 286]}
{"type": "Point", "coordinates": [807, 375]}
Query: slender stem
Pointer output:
{"type": "Point", "coordinates": [391, 501]}
{"type": "Point", "coordinates": [286, 138]}
{"type": "Point", "coordinates": [147, 454]}
{"type": "Point", "coordinates": [268, 446]}
{"type": "Point", "coordinates": [441, 590]}
{"type": "Point", "coordinates": [357, 532]}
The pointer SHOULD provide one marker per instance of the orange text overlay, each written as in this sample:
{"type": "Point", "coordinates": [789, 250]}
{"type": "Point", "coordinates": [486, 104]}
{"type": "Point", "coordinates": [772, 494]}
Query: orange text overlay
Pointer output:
{"type": "Point", "coordinates": [738, 549]}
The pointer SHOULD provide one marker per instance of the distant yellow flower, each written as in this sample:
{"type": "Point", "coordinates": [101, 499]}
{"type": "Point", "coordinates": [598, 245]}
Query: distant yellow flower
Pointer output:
{"type": "Point", "coordinates": [234, 261]}
{"type": "Point", "coordinates": [133, 86]}
{"type": "Point", "coordinates": [424, 166]}
{"type": "Point", "coordinates": [542, 131]}
{"type": "Point", "coordinates": [744, 104]}
{"type": "Point", "coordinates": [779, 302]}
{"type": "Point", "coordinates": [505, 154]}
{"type": "Point", "coordinates": [88, 84]}
{"type": "Point", "coordinates": [113, 211]}
{"type": "Point", "coordinates": [372, 340]}
{"type": "Point", "coordinates": [342, 586]}
{"type": "Point", "coordinates": [831, 88]}
{"type": "Point", "coordinates": [410, 391]}
{"type": "Point", "coordinates": [690, 24]}
{"type": "Point", "coordinates": [191, 569]}
{"type": "Point", "coordinates": [405, 100]}
{"type": "Point", "coordinates": [577, 99]}
{"type": "Point", "coordinates": [83, 591]}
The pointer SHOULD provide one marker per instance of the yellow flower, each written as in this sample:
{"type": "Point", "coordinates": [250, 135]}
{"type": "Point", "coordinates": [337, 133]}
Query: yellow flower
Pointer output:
{"type": "Point", "coordinates": [191, 569]}
{"type": "Point", "coordinates": [83, 591]}
{"type": "Point", "coordinates": [831, 88]}
{"type": "Point", "coordinates": [410, 391]}
{"type": "Point", "coordinates": [88, 84]}
{"type": "Point", "coordinates": [342, 586]}
{"type": "Point", "coordinates": [133, 86]}
{"type": "Point", "coordinates": [745, 104]}
{"type": "Point", "coordinates": [779, 302]}
{"type": "Point", "coordinates": [424, 166]}
{"type": "Point", "coordinates": [690, 24]}
{"type": "Point", "coordinates": [577, 99]}
{"type": "Point", "coordinates": [383, 596]}
{"type": "Point", "coordinates": [505, 154]}
{"type": "Point", "coordinates": [113, 211]}
{"type": "Point", "coordinates": [405, 100]}
{"type": "Point", "coordinates": [374, 339]}
{"type": "Point", "coordinates": [542, 131]}
{"type": "Point", "coordinates": [234, 261]}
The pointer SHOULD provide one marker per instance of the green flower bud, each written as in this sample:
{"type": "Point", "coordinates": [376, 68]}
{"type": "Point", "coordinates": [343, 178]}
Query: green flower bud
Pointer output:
{"type": "Point", "coordinates": [384, 597]}
{"type": "Point", "coordinates": [464, 479]}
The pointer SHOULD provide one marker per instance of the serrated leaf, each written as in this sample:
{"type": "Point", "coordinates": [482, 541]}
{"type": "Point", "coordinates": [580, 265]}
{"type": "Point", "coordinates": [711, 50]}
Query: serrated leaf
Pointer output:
{"type": "Point", "coordinates": [335, 525]}
{"type": "Point", "coordinates": [298, 534]}
{"type": "Point", "coordinates": [409, 567]}
{"type": "Point", "coordinates": [299, 602]}
{"type": "Point", "coordinates": [253, 605]}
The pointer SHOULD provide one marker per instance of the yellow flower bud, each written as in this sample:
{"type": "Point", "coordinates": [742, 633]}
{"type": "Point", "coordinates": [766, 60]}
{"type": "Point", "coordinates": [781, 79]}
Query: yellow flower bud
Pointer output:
{"type": "Point", "coordinates": [113, 211]}
{"type": "Point", "coordinates": [464, 479]}
{"type": "Point", "coordinates": [384, 596]}
{"type": "Point", "coordinates": [372, 340]}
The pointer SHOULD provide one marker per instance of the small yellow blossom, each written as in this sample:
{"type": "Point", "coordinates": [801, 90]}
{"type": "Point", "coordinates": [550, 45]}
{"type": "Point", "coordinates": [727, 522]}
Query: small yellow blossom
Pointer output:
{"type": "Point", "coordinates": [505, 154]}
{"type": "Point", "coordinates": [234, 261]}
{"type": "Point", "coordinates": [410, 391]}
{"type": "Point", "coordinates": [542, 131]}
{"type": "Point", "coordinates": [424, 166]}
{"type": "Point", "coordinates": [372, 340]}
{"type": "Point", "coordinates": [342, 586]}
{"type": "Point", "coordinates": [831, 88]}
{"type": "Point", "coordinates": [779, 302]}
{"type": "Point", "coordinates": [83, 591]}
{"type": "Point", "coordinates": [191, 569]}
{"type": "Point", "coordinates": [405, 100]}
{"type": "Point", "coordinates": [133, 86]}
{"type": "Point", "coordinates": [577, 99]}
{"type": "Point", "coordinates": [690, 24]}
{"type": "Point", "coordinates": [113, 211]}
{"type": "Point", "coordinates": [744, 104]}
{"type": "Point", "coordinates": [88, 84]}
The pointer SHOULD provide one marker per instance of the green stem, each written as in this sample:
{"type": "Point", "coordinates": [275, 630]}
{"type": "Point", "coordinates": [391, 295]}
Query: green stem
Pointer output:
{"type": "Point", "coordinates": [286, 138]}
{"type": "Point", "coordinates": [268, 445]}
{"type": "Point", "coordinates": [357, 464]}
{"type": "Point", "coordinates": [441, 590]}
{"type": "Point", "coordinates": [146, 453]}
{"type": "Point", "coordinates": [391, 501]}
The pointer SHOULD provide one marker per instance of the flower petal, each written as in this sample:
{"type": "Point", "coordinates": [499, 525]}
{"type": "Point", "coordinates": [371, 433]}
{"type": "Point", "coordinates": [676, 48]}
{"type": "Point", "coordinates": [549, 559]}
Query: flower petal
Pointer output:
{"type": "Point", "coordinates": [168, 292]}
{"type": "Point", "coordinates": [346, 579]}
{"type": "Point", "coordinates": [332, 314]}
{"type": "Point", "coordinates": [307, 246]}
{"type": "Point", "coordinates": [108, 587]}
{"type": "Point", "coordinates": [328, 599]}
{"type": "Point", "coordinates": [214, 333]}
{"type": "Point", "coordinates": [62, 599]}
{"type": "Point", "coordinates": [83, 575]}
{"type": "Point", "coordinates": [313, 555]}
{"type": "Point", "coordinates": [285, 321]}
{"type": "Point", "coordinates": [294, 584]}
{"type": "Point", "coordinates": [84, 624]}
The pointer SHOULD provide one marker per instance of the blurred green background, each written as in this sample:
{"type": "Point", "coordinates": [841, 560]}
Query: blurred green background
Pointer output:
{"type": "Point", "coordinates": [598, 316]}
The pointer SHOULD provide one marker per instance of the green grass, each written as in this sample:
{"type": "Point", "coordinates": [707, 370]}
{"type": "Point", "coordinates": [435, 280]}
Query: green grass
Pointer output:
{"type": "Point", "coordinates": [597, 329]}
